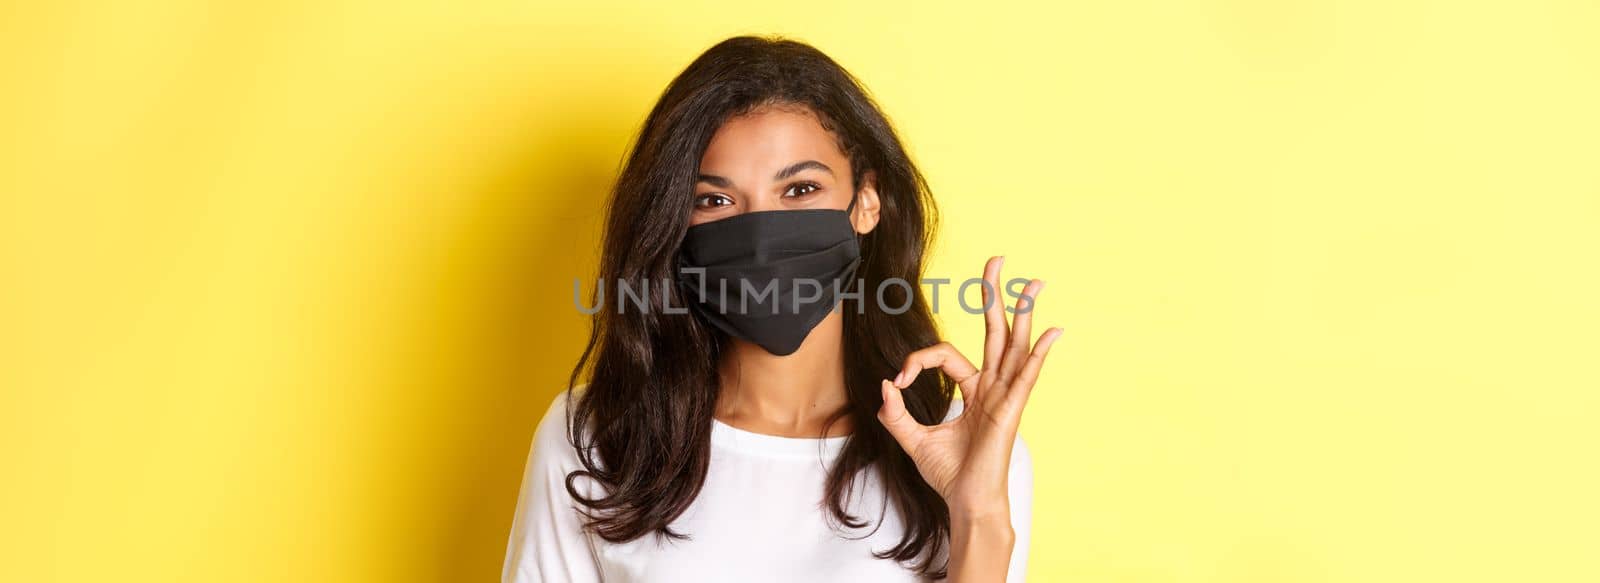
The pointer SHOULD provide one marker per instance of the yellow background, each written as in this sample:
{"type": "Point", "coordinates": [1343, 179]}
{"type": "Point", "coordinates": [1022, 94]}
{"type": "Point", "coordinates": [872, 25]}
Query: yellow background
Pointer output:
{"type": "Point", "coordinates": [285, 286]}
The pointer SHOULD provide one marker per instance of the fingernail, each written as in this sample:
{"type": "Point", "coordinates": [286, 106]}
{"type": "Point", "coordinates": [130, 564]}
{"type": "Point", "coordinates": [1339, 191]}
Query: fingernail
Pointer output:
{"type": "Point", "coordinates": [899, 378]}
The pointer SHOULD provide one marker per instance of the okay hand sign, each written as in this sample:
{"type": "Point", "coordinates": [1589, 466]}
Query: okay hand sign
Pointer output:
{"type": "Point", "coordinates": [966, 458]}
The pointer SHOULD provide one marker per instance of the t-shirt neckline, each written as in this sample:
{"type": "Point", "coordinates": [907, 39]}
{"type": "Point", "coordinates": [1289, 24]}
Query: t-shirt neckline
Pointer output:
{"type": "Point", "coordinates": [732, 438]}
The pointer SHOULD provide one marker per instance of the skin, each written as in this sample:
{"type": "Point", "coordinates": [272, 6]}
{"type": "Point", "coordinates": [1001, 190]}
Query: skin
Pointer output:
{"type": "Point", "coordinates": [781, 158]}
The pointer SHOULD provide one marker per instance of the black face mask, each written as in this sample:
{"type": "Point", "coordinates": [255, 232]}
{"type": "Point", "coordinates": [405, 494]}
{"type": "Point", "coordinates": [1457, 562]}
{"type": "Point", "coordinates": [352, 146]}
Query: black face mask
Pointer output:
{"type": "Point", "coordinates": [769, 277]}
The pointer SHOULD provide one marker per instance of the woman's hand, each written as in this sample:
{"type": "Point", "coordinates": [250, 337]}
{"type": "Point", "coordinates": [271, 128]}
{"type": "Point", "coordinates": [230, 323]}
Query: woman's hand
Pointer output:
{"type": "Point", "coordinates": [966, 459]}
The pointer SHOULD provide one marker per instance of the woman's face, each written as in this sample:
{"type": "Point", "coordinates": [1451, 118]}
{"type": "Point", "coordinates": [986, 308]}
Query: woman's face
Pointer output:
{"type": "Point", "coordinates": [777, 158]}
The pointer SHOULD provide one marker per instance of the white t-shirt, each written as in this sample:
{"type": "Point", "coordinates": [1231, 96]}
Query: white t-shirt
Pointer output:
{"type": "Point", "coordinates": [760, 516]}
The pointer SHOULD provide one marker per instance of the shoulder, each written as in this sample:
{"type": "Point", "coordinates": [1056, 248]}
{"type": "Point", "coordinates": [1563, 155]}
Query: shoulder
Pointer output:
{"type": "Point", "coordinates": [552, 442]}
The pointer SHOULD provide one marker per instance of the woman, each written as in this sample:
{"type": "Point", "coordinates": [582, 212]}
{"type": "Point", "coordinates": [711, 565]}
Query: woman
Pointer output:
{"type": "Point", "coordinates": [790, 436]}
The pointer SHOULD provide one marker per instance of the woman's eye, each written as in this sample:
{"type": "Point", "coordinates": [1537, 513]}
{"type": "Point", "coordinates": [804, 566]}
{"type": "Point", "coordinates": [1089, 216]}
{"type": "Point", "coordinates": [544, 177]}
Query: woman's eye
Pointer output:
{"type": "Point", "coordinates": [709, 201]}
{"type": "Point", "coordinates": [802, 189]}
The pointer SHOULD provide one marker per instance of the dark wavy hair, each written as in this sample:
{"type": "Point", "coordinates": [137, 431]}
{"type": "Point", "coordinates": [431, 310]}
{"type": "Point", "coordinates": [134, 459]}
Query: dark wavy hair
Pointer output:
{"type": "Point", "coordinates": [643, 425]}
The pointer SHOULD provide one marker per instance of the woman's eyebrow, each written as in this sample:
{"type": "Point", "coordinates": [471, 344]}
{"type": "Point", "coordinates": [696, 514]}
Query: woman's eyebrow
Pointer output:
{"type": "Point", "coordinates": [714, 180]}
{"type": "Point", "coordinates": [796, 167]}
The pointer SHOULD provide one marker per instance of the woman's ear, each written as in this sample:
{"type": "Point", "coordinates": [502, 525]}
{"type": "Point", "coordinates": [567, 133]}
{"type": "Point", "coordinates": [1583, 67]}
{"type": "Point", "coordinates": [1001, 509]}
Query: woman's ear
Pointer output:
{"type": "Point", "coordinates": [865, 215]}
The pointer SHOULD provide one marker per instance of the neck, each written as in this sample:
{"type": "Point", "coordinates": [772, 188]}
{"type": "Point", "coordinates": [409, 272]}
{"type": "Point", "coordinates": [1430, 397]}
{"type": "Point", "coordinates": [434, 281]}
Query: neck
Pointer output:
{"type": "Point", "coordinates": [791, 396]}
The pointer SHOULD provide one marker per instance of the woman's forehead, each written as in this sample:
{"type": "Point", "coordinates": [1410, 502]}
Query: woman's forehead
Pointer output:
{"type": "Point", "coordinates": [768, 138]}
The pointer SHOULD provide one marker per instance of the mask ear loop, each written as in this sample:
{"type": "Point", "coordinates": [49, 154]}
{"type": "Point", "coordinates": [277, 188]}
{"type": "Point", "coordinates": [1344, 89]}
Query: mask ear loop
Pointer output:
{"type": "Point", "coordinates": [851, 217]}
{"type": "Point", "coordinates": [854, 196]}
{"type": "Point", "coordinates": [859, 236]}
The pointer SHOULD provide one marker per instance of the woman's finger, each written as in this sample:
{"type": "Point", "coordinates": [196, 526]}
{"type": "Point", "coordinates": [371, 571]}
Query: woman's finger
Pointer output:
{"type": "Point", "coordinates": [901, 425]}
{"type": "Point", "coordinates": [1021, 331]}
{"type": "Point", "coordinates": [945, 357]}
{"type": "Point", "coordinates": [1022, 385]}
{"type": "Point", "coordinates": [994, 318]}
